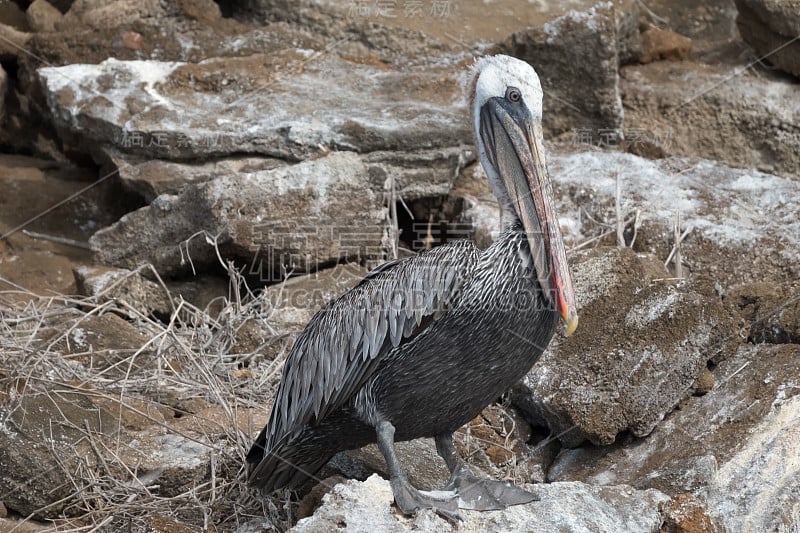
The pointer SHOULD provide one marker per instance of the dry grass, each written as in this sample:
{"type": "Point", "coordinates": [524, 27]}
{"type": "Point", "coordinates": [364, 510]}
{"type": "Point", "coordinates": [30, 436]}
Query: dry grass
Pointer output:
{"type": "Point", "coordinates": [188, 358]}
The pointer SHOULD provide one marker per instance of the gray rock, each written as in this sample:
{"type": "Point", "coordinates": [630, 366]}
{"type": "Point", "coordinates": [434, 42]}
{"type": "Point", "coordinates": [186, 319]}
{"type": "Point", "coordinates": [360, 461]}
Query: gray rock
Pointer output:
{"type": "Point", "coordinates": [577, 58]}
{"type": "Point", "coordinates": [103, 284]}
{"type": "Point", "coordinates": [658, 44]}
{"type": "Point", "coordinates": [771, 27]}
{"type": "Point", "coordinates": [42, 16]}
{"type": "Point", "coordinates": [289, 105]}
{"type": "Point", "coordinates": [421, 174]}
{"type": "Point", "coordinates": [564, 507]}
{"type": "Point", "coordinates": [150, 178]}
{"type": "Point", "coordinates": [274, 221]}
{"type": "Point", "coordinates": [24, 526]}
{"type": "Point", "coordinates": [731, 241]}
{"type": "Point", "coordinates": [426, 173]}
{"type": "Point", "coordinates": [691, 109]}
{"type": "Point", "coordinates": [735, 448]}
{"type": "Point", "coordinates": [54, 447]}
{"type": "Point", "coordinates": [648, 344]}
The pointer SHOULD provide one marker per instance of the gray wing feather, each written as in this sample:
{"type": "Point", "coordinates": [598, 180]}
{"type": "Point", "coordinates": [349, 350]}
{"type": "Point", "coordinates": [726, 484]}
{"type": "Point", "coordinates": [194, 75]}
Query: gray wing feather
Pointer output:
{"type": "Point", "coordinates": [343, 343]}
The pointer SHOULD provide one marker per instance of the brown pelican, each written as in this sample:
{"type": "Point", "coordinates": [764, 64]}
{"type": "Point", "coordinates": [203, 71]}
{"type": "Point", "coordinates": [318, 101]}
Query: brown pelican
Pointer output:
{"type": "Point", "coordinates": [421, 345]}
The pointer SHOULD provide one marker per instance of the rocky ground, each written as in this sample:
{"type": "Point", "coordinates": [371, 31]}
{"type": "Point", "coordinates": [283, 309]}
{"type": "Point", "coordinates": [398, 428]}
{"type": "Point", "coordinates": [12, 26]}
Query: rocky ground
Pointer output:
{"type": "Point", "coordinates": [185, 182]}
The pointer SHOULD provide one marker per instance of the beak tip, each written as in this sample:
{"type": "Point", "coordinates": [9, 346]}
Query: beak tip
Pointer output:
{"type": "Point", "coordinates": [570, 323]}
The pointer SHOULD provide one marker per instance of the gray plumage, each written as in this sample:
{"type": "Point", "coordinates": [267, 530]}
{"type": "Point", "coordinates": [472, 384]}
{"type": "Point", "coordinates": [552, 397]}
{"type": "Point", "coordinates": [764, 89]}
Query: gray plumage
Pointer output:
{"type": "Point", "coordinates": [413, 336]}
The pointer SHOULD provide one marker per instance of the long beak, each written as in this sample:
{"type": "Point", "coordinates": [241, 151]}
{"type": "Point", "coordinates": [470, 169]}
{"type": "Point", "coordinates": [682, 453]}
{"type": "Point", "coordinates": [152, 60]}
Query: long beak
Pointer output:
{"type": "Point", "coordinates": [514, 145]}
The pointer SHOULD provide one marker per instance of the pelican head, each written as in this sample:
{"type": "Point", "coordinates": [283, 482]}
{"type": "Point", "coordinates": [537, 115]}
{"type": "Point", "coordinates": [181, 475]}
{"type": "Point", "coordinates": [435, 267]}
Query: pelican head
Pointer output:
{"type": "Point", "coordinates": [506, 104]}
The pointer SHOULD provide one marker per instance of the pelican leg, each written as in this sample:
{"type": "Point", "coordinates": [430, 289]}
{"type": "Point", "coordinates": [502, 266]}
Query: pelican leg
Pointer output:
{"type": "Point", "coordinates": [408, 499]}
{"type": "Point", "coordinates": [476, 493]}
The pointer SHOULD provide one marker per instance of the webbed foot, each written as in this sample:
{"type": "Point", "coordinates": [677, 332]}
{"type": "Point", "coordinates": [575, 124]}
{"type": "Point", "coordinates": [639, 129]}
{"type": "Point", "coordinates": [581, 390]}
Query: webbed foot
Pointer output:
{"type": "Point", "coordinates": [410, 500]}
{"type": "Point", "coordinates": [480, 494]}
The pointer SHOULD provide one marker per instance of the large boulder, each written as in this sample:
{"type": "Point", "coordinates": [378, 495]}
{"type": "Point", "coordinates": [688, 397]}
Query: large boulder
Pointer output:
{"type": "Point", "coordinates": [150, 178]}
{"type": "Point", "coordinates": [771, 27]}
{"type": "Point", "coordinates": [268, 215]}
{"type": "Point", "coordinates": [577, 58]}
{"type": "Point", "coordinates": [641, 346]}
{"type": "Point", "coordinates": [743, 228]}
{"type": "Point", "coordinates": [274, 221]}
{"type": "Point", "coordinates": [283, 105]}
{"type": "Point", "coordinates": [693, 109]}
{"type": "Point", "coordinates": [47, 437]}
{"type": "Point", "coordinates": [42, 16]}
{"type": "Point", "coordinates": [367, 506]}
{"type": "Point", "coordinates": [735, 448]}
{"type": "Point", "coordinates": [420, 174]}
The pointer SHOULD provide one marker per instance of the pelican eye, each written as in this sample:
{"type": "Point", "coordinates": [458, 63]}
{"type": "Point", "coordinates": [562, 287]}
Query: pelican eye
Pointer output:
{"type": "Point", "coordinates": [513, 95]}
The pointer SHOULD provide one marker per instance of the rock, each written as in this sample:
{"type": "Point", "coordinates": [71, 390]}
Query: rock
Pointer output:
{"type": "Point", "coordinates": [103, 284]}
{"type": "Point", "coordinates": [734, 448]}
{"type": "Point", "coordinates": [43, 442]}
{"type": "Point", "coordinates": [276, 221]}
{"type": "Point", "coordinates": [426, 173]}
{"type": "Point", "coordinates": [577, 58]}
{"type": "Point", "coordinates": [41, 255]}
{"type": "Point", "coordinates": [170, 462]}
{"type": "Point", "coordinates": [12, 40]}
{"type": "Point", "coordinates": [255, 337]}
{"type": "Point", "coordinates": [292, 303]}
{"type": "Point", "coordinates": [714, 200]}
{"type": "Point", "coordinates": [649, 342]}
{"type": "Point", "coordinates": [704, 383]}
{"type": "Point", "coordinates": [56, 445]}
{"type": "Point", "coordinates": [3, 87]}
{"type": "Point", "coordinates": [425, 469]}
{"type": "Point", "coordinates": [42, 16]}
{"type": "Point", "coordinates": [12, 15]}
{"type": "Point", "coordinates": [692, 109]}
{"type": "Point", "coordinates": [658, 44]}
{"type": "Point", "coordinates": [686, 513]}
{"type": "Point", "coordinates": [190, 30]}
{"type": "Point", "coordinates": [367, 506]}
{"type": "Point", "coordinates": [771, 27]}
{"type": "Point", "coordinates": [419, 175]}
{"type": "Point", "coordinates": [153, 177]}
{"type": "Point", "coordinates": [179, 110]}
{"type": "Point", "coordinates": [311, 501]}
{"type": "Point", "coordinates": [104, 341]}
{"type": "Point", "coordinates": [99, 14]}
